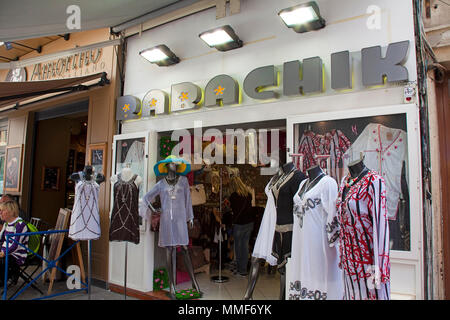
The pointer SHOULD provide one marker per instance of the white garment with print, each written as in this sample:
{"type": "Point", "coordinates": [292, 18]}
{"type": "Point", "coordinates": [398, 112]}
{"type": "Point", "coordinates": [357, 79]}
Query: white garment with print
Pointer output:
{"type": "Point", "coordinates": [385, 150]}
{"type": "Point", "coordinates": [264, 240]}
{"type": "Point", "coordinates": [136, 158]}
{"type": "Point", "coordinates": [314, 264]}
{"type": "Point", "coordinates": [85, 218]}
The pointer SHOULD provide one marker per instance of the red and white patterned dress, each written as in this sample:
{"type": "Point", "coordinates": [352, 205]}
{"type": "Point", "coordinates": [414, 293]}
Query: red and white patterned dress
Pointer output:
{"type": "Point", "coordinates": [364, 239]}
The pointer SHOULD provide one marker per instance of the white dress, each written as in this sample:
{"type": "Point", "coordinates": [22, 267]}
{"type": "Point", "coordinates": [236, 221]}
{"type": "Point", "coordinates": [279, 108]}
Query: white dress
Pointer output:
{"type": "Point", "coordinates": [314, 265]}
{"type": "Point", "coordinates": [85, 218]}
{"type": "Point", "coordinates": [384, 150]}
{"type": "Point", "coordinates": [264, 241]}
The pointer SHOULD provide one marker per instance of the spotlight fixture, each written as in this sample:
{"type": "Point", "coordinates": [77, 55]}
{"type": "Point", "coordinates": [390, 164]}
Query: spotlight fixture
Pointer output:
{"type": "Point", "coordinates": [160, 55]}
{"type": "Point", "coordinates": [223, 38]}
{"type": "Point", "coordinates": [303, 17]}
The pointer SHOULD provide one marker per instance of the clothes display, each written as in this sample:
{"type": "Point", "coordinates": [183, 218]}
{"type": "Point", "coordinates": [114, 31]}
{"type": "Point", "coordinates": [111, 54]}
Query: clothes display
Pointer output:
{"type": "Point", "coordinates": [385, 151]}
{"type": "Point", "coordinates": [124, 224]}
{"type": "Point", "coordinates": [263, 245]}
{"type": "Point", "coordinates": [283, 192]}
{"type": "Point", "coordinates": [85, 218]}
{"type": "Point", "coordinates": [364, 237]}
{"type": "Point", "coordinates": [315, 274]}
{"type": "Point", "coordinates": [176, 211]}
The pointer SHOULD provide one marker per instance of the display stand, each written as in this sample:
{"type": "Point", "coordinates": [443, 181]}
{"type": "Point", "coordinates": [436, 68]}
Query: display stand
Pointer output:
{"type": "Point", "coordinates": [125, 272]}
{"type": "Point", "coordinates": [220, 278]}
{"type": "Point", "coordinates": [89, 269]}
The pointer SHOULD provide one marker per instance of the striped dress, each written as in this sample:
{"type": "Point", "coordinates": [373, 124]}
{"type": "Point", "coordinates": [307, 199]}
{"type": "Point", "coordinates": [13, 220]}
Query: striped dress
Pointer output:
{"type": "Point", "coordinates": [15, 251]}
{"type": "Point", "coordinates": [364, 239]}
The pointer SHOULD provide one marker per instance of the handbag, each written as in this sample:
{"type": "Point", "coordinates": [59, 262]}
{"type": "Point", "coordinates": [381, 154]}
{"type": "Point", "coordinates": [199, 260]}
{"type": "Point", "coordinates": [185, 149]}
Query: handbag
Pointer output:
{"type": "Point", "coordinates": [198, 195]}
{"type": "Point", "coordinates": [154, 226]}
{"type": "Point", "coordinates": [196, 230]}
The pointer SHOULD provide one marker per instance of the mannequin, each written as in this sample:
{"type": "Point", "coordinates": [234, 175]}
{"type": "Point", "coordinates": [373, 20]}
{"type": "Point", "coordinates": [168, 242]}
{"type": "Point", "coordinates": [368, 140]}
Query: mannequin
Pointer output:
{"type": "Point", "coordinates": [315, 274]}
{"type": "Point", "coordinates": [125, 213]}
{"type": "Point", "coordinates": [176, 187]}
{"type": "Point", "coordinates": [263, 245]}
{"type": "Point", "coordinates": [283, 191]}
{"type": "Point", "coordinates": [362, 216]}
{"type": "Point", "coordinates": [85, 220]}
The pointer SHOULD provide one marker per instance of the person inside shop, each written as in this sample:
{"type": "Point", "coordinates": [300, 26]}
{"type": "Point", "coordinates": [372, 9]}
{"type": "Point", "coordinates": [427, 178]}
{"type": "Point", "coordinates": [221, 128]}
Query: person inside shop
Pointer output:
{"type": "Point", "coordinates": [243, 221]}
{"type": "Point", "coordinates": [9, 212]}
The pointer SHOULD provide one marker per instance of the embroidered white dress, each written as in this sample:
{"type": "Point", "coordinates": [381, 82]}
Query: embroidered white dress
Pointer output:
{"type": "Point", "coordinates": [385, 150]}
{"type": "Point", "coordinates": [314, 265]}
{"type": "Point", "coordinates": [85, 218]}
{"type": "Point", "coordinates": [264, 240]}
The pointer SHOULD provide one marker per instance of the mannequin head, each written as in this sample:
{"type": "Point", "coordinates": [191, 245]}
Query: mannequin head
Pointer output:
{"type": "Point", "coordinates": [288, 167]}
{"type": "Point", "coordinates": [171, 166]}
{"type": "Point", "coordinates": [88, 172]}
{"type": "Point", "coordinates": [314, 172]}
{"type": "Point", "coordinates": [356, 167]}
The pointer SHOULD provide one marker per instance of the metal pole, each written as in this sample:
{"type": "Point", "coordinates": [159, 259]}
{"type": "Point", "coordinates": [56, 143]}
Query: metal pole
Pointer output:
{"type": "Point", "coordinates": [89, 270]}
{"type": "Point", "coordinates": [220, 279]}
{"type": "Point", "coordinates": [126, 260]}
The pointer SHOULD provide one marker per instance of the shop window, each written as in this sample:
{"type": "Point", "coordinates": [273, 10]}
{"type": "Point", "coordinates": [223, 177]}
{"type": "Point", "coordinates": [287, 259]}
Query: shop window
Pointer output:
{"type": "Point", "coordinates": [381, 141]}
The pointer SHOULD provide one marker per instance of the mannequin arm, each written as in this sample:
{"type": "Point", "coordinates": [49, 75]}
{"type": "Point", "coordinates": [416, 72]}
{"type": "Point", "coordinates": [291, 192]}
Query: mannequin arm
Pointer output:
{"type": "Point", "coordinates": [75, 177]}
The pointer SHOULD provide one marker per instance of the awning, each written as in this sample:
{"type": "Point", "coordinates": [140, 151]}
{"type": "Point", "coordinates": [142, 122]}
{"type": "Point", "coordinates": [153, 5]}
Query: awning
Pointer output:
{"type": "Point", "coordinates": [15, 92]}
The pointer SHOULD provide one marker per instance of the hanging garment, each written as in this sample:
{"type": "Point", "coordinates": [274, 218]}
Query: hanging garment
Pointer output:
{"type": "Point", "coordinates": [309, 145]}
{"type": "Point", "coordinates": [364, 239]}
{"type": "Point", "coordinates": [314, 260]}
{"type": "Point", "coordinates": [385, 150]}
{"type": "Point", "coordinates": [85, 218]}
{"type": "Point", "coordinates": [263, 244]}
{"type": "Point", "coordinates": [283, 192]}
{"type": "Point", "coordinates": [176, 211]}
{"type": "Point", "coordinates": [338, 144]}
{"type": "Point", "coordinates": [136, 158]}
{"type": "Point", "coordinates": [125, 214]}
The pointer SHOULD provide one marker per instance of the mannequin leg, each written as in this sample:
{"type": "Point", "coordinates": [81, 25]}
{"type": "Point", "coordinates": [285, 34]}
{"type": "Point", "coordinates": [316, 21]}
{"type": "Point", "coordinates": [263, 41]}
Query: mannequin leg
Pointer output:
{"type": "Point", "coordinates": [282, 272]}
{"type": "Point", "coordinates": [252, 278]}
{"type": "Point", "coordinates": [190, 268]}
{"type": "Point", "coordinates": [171, 270]}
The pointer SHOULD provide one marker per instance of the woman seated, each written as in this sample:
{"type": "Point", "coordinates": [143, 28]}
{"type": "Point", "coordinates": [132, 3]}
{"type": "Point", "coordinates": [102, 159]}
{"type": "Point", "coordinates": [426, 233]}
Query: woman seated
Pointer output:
{"type": "Point", "coordinates": [9, 212]}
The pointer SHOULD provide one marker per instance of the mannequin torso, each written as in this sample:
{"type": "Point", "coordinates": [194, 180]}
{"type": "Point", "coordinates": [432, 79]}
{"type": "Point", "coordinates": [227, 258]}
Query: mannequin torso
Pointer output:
{"type": "Point", "coordinates": [357, 171]}
{"type": "Point", "coordinates": [126, 174]}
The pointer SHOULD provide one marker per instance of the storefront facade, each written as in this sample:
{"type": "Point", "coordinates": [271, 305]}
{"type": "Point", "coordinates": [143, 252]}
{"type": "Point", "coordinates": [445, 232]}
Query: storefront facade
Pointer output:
{"type": "Point", "coordinates": [346, 101]}
{"type": "Point", "coordinates": [57, 132]}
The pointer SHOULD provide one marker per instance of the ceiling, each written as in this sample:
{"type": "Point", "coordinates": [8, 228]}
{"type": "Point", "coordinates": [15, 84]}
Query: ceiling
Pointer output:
{"type": "Point", "coordinates": [26, 19]}
{"type": "Point", "coordinates": [19, 50]}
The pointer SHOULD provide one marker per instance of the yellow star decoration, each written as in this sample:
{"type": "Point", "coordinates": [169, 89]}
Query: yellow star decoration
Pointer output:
{"type": "Point", "coordinates": [219, 90]}
{"type": "Point", "coordinates": [126, 107]}
{"type": "Point", "coordinates": [184, 96]}
{"type": "Point", "coordinates": [153, 102]}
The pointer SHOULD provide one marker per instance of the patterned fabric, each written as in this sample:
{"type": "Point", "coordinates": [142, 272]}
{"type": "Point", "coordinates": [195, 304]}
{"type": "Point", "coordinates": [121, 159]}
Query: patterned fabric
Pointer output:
{"type": "Point", "coordinates": [385, 151]}
{"type": "Point", "coordinates": [338, 145]}
{"type": "Point", "coordinates": [125, 214]}
{"type": "Point", "coordinates": [364, 239]}
{"type": "Point", "coordinates": [85, 219]}
{"type": "Point", "coordinates": [309, 146]}
{"type": "Point", "coordinates": [16, 251]}
{"type": "Point", "coordinates": [314, 271]}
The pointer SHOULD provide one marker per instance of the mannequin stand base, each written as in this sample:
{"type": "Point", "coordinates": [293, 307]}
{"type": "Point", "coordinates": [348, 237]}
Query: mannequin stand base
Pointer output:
{"type": "Point", "coordinates": [219, 279]}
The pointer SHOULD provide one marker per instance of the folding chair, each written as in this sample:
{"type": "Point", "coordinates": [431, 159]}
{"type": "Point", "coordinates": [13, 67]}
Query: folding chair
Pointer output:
{"type": "Point", "coordinates": [33, 262]}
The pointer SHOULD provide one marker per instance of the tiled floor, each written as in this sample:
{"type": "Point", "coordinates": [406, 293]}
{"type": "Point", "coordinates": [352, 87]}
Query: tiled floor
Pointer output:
{"type": "Point", "coordinates": [267, 287]}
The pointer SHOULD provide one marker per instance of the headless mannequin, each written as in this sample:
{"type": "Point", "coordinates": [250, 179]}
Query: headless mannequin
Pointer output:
{"type": "Point", "coordinates": [126, 175]}
{"type": "Point", "coordinates": [171, 252]}
{"type": "Point", "coordinates": [255, 262]}
{"type": "Point", "coordinates": [87, 171]}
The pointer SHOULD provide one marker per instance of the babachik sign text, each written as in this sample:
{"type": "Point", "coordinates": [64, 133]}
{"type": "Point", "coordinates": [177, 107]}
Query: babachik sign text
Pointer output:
{"type": "Point", "coordinates": [298, 78]}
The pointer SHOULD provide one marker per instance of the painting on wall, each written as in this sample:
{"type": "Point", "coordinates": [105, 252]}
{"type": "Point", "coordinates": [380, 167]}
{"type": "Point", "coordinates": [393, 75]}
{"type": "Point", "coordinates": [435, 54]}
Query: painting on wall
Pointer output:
{"type": "Point", "coordinates": [13, 168]}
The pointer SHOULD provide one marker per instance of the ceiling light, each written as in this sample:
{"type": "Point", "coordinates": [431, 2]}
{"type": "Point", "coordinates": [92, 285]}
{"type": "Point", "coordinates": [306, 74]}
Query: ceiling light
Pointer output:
{"type": "Point", "coordinates": [160, 55]}
{"type": "Point", "coordinates": [223, 38]}
{"type": "Point", "coordinates": [1, 43]}
{"type": "Point", "coordinates": [303, 18]}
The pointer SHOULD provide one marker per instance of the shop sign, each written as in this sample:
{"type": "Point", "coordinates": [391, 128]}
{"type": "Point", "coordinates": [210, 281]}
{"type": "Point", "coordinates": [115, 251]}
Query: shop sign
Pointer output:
{"type": "Point", "coordinates": [16, 75]}
{"type": "Point", "coordinates": [299, 78]}
{"type": "Point", "coordinates": [77, 64]}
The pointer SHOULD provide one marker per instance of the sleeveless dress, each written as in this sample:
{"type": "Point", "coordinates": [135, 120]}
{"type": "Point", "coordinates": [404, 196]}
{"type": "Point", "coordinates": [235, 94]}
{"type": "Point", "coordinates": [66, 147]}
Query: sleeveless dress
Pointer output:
{"type": "Point", "coordinates": [85, 218]}
{"type": "Point", "coordinates": [264, 240]}
{"type": "Point", "coordinates": [125, 214]}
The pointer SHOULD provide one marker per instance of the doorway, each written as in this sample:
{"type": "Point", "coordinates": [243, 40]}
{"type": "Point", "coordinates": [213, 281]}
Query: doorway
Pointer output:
{"type": "Point", "coordinates": [60, 136]}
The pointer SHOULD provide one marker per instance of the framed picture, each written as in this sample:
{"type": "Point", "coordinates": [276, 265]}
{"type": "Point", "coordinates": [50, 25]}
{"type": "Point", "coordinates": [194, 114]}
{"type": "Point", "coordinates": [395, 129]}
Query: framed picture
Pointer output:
{"type": "Point", "coordinates": [13, 168]}
{"type": "Point", "coordinates": [50, 178]}
{"type": "Point", "coordinates": [97, 157]}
